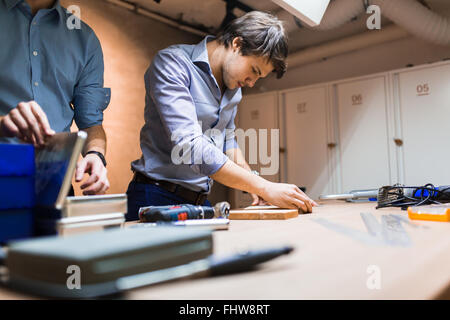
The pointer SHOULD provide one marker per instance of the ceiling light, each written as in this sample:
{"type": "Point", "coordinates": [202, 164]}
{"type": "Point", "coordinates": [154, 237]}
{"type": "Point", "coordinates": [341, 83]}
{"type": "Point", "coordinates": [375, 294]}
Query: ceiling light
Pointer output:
{"type": "Point", "coordinates": [308, 11]}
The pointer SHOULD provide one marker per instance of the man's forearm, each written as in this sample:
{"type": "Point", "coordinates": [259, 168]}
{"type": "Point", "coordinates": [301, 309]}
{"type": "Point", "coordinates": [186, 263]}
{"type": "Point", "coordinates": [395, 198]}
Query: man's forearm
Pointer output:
{"type": "Point", "coordinates": [237, 157]}
{"type": "Point", "coordinates": [236, 177]}
{"type": "Point", "coordinates": [96, 140]}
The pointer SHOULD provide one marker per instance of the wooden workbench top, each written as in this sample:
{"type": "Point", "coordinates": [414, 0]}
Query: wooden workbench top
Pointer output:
{"type": "Point", "coordinates": [325, 264]}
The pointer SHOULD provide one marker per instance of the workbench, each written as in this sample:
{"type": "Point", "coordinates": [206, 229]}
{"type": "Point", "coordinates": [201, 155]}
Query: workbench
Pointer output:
{"type": "Point", "coordinates": [325, 264]}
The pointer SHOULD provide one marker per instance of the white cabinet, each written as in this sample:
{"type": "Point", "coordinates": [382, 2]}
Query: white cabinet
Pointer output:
{"type": "Point", "coordinates": [257, 121]}
{"type": "Point", "coordinates": [423, 100]}
{"type": "Point", "coordinates": [258, 118]}
{"type": "Point", "coordinates": [360, 133]}
{"type": "Point", "coordinates": [362, 107]}
{"type": "Point", "coordinates": [307, 134]}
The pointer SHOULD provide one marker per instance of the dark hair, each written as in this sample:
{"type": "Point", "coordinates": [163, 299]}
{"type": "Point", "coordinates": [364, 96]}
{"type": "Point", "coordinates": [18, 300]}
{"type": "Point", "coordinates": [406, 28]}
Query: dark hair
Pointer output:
{"type": "Point", "coordinates": [261, 34]}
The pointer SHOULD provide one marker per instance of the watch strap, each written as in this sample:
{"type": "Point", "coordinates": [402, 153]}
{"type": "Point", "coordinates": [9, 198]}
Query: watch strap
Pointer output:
{"type": "Point", "coordinates": [99, 154]}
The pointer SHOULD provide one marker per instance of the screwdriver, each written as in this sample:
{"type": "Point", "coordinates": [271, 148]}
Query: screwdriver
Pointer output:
{"type": "Point", "coordinates": [183, 212]}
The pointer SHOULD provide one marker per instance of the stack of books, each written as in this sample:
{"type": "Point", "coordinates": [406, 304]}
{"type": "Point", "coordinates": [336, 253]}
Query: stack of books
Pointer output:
{"type": "Point", "coordinates": [81, 214]}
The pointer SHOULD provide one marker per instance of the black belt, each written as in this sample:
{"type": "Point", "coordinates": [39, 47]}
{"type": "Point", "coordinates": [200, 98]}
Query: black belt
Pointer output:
{"type": "Point", "coordinates": [197, 198]}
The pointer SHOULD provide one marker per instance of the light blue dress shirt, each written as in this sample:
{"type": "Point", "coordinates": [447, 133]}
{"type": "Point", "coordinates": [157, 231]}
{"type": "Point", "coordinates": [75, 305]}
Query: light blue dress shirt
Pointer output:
{"type": "Point", "coordinates": [42, 59]}
{"type": "Point", "coordinates": [189, 123]}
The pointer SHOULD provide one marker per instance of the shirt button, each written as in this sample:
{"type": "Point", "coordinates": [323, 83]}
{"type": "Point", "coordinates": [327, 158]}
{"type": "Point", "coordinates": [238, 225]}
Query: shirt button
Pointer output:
{"type": "Point", "coordinates": [34, 23]}
{"type": "Point", "coordinates": [36, 84]}
{"type": "Point", "coordinates": [35, 53]}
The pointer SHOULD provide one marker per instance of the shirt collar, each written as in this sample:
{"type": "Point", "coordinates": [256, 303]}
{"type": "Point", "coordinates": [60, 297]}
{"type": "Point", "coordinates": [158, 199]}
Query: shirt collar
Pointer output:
{"type": "Point", "coordinates": [59, 9]}
{"type": "Point", "coordinates": [200, 57]}
{"type": "Point", "coordinates": [12, 3]}
{"type": "Point", "coordinates": [200, 52]}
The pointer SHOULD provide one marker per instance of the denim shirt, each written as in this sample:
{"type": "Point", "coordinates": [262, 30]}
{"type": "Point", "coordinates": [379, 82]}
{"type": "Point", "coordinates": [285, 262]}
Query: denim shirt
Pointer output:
{"type": "Point", "coordinates": [42, 59]}
{"type": "Point", "coordinates": [189, 123]}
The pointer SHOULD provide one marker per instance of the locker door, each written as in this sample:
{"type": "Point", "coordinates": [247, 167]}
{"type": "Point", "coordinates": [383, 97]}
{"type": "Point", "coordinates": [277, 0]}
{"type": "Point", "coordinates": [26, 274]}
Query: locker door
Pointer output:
{"type": "Point", "coordinates": [363, 134]}
{"type": "Point", "coordinates": [256, 112]}
{"type": "Point", "coordinates": [425, 121]}
{"type": "Point", "coordinates": [306, 140]}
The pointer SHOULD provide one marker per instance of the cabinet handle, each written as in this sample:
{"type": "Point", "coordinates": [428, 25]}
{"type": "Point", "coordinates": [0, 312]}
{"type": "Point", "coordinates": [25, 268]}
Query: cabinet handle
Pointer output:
{"type": "Point", "coordinates": [331, 145]}
{"type": "Point", "coordinates": [398, 142]}
{"type": "Point", "coordinates": [282, 150]}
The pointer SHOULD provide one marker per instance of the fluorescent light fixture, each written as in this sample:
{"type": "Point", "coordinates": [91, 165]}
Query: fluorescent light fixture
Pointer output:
{"type": "Point", "coordinates": [308, 11]}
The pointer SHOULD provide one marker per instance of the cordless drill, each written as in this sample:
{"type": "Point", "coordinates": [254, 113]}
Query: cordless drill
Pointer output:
{"type": "Point", "coordinates": [183, 212]}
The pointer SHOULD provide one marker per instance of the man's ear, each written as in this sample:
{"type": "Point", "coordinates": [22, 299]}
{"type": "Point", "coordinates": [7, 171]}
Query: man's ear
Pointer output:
{"type": "Point", "coordinates": [236, 44]}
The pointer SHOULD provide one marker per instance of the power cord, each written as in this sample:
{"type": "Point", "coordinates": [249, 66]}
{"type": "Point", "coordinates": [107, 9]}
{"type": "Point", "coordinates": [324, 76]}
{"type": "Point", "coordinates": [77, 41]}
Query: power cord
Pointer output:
{"type": "Point", "coordinates": [394, 196]}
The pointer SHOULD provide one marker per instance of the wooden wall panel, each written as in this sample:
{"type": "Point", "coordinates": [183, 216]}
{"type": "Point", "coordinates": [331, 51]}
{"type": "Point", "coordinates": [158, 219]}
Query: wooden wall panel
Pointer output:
{"type": "Point", "coordinates": [129, 42]}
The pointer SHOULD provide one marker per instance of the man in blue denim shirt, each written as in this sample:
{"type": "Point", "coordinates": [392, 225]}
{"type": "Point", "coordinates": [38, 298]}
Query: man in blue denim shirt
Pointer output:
{"type": "Point", "coordinates": [191, 102]}
{"type": "Point", "coordinates": [52, 73]}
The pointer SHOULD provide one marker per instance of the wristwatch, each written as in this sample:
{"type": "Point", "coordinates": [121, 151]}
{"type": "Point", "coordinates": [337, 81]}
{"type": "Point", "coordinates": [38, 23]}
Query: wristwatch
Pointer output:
{"type": "Point", "coordinates": [100, 155]}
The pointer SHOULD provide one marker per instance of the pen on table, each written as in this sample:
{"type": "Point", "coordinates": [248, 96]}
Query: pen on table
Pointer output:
{"type": "Point", "coordinates": [244, 261]}
{"type": "Point", "coordinates": [212, 266]}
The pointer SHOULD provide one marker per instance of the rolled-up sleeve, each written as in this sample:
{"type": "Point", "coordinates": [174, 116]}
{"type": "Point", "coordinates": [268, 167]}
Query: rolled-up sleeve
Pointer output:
{"type": "Point", "coordinates": [90, 98]}
{"type": "Point", "coordinates": [167, 81]}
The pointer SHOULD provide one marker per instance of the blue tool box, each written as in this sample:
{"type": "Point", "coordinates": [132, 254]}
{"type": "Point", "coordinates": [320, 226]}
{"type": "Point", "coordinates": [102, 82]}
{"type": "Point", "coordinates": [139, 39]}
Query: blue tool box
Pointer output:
{"type": "Point", "coordinates": [17, 191]}
{"type": "Point", "coordinates": [16, 160]}
{"type": "Point", "coordinates": [16, 224]}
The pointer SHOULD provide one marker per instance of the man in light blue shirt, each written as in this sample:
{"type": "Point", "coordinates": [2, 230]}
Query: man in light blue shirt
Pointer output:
{"type": "Point", "coordinates": [51, 74]}
{"type": "Point", "coordinates": [192, 93]}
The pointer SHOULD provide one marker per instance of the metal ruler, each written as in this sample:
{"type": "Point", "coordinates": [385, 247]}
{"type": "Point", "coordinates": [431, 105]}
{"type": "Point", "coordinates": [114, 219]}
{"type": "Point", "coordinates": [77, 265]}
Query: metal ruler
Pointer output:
{"type": "Point", "coordinates": [388, 232]}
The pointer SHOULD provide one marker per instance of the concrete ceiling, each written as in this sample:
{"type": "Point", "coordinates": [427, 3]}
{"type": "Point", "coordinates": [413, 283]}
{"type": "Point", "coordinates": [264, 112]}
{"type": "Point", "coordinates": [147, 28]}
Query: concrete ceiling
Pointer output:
{"type": "Point", "coordinates": [209, 14]}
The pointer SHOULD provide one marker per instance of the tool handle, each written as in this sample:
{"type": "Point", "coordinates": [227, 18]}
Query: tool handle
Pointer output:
{"type": "Point", "coordinates": [420, 192]}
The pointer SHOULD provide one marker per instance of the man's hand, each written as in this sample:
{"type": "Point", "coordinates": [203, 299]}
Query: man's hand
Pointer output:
{"type": "Point", "coordinates": [258, 201]}
{"type": "Point", "coordinates": [278, 194]}
{"type": "Point", "coordinates": [28, 122]}
{"type": "Point", "coordinates": [287, 196]}
{"type": "Point", "coordinates": [97, 183]}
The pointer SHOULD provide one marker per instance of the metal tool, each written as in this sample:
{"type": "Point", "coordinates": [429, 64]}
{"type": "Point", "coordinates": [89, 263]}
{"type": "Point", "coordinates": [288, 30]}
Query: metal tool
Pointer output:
{"type": "Point", "coordinates": [367, 194]}
{"type": "Point", "coordinates": [183, 212]}
{"type": "Point", "coordinates": [389, 232]}
{"type": "Point", "coordinates": [404, 196]}
{"type": "Point", "coordinates": [397, 195]}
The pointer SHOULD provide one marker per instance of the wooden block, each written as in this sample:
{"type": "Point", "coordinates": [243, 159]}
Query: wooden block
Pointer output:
{"type": "Point", "coordinates": [262, 213]}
